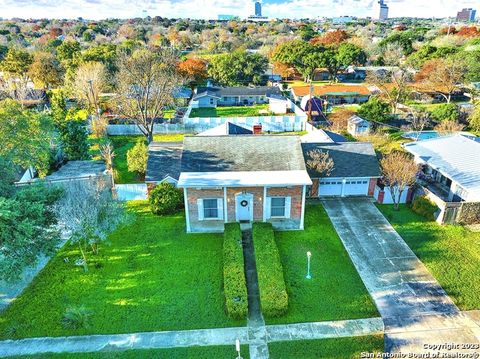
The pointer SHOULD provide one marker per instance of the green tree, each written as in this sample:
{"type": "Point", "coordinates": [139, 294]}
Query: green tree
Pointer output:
{"type": "Point", "coordinates": [105, 54]}
{"type": "Point", "coordinates": [446, 112]}
{"type": "Point", "coordinates": [46, 71]}
{"type": "Point", "coordinates": [238, 68]}
{"type": "Point", "coordinates": [349, 54]}
{"type": "Point", "coordinates": [474, 120]}
{"type": "Point", "coordinates": [68, 50]}
{"type": "Point", "coordinates": [25, 136]}
{"type": "Point", "coordinates": [74, 136]}
{"type": "Point", "coordinates": [374, 110]}
{"type": "Point", "coordinates": [137, 158]}
{"type": "Point", "coordinates": [27, 229]}
{"type": "Point", "coordinates": [16, 62]}
{"type": "Point", "coordinates": [7, 177]}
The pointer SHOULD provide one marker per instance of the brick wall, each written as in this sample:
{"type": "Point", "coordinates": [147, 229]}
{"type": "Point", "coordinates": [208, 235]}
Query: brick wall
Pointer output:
{"type": "Point", "coordinates": [217, 225]}
{"type": "Point", "coordinates": [371, 186]}
{"type": "Point", "coordinates": [295, 193]}
{"type": "Point", "coordinates": [193, 195]}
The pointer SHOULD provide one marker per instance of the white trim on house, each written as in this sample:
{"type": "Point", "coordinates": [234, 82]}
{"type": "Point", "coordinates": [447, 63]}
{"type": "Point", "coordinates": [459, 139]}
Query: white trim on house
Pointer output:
{"type": "Point", "coordinates": [187, 214]}
{"type": "Point", "coordinates": [225, 204]}
{"type": "Point", "coordinates": [264, 203]}
{"type": "Point", "coordinates": [302, 216]}
{"type": "Point", "coordinates": [244, 179]}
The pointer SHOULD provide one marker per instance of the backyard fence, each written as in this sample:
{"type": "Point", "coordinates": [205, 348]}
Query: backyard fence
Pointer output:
{"type": "Point", "coordinates": [200, 124]}
{"type": "Point", "coordinates": [132, 191]}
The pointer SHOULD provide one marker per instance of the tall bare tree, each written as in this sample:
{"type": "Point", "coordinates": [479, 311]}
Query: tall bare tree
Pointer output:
{"type": "Point", "coordinates": [90, 81]}
{"type": "Point", "coordinates": [88, 211]}
{"type": "Point", "coordinates": [320, 162]}
{"type": "Point", "coordinates": [394, 86]}
{"type": "Point", "coordinates": [399, 171]}
{"type": "Point", "coordinates": [441, 76]}
{"type": "Point", "coordinates": [146, 82]}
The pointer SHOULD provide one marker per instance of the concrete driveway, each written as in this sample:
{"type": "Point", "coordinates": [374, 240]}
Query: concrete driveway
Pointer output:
{"type": "Point", "coordinates": [415, 308]}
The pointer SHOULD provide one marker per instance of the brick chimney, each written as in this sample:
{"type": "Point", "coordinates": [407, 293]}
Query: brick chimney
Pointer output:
{"type": "Point", "coordinates": [257, 129]}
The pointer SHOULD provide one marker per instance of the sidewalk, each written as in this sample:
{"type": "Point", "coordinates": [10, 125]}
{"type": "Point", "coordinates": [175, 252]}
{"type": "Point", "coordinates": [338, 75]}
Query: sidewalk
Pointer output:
{"type": "Point", "coordinates": [189, 338]}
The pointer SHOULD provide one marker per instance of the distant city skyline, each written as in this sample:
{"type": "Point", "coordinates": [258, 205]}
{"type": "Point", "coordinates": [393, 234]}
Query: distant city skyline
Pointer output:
{"type": "Point", "coordinates": [210, 9]}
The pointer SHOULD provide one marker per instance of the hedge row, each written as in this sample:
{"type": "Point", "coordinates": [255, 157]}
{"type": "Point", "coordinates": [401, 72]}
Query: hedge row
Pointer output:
{"type": "Point", "coordinates": [273, 292]}
{"type": "Point", "coordinates": [234, 282]}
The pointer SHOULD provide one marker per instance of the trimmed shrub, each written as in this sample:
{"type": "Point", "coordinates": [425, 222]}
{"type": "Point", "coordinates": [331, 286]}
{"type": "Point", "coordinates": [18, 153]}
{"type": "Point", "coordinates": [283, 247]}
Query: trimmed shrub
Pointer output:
{"type": "Point", "coordinates": [234, 282]}
{"type": "Point", "coordinates": [424, 207]}
{"type": "Point", "coordinates": [76, 317]}
{"type": "Point", "coordinates": [273, 291]}
{"type": "Point", "coordinates": [165, 199]}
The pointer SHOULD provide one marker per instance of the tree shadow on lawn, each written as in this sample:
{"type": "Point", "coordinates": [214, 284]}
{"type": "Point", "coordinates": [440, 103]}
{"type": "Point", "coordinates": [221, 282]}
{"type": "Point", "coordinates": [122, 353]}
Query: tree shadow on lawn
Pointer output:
{"type": "Point", "coordinates": [153, 277]}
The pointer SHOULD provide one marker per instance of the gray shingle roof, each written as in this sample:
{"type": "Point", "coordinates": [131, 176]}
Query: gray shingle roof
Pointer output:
{"type": "Point", "coordinates": [351, 159]}
{"type": "Point", "coordinates": [239, 91]}
{"type": "Point", "coordinates": [242, 153]}
{"type": "Point", "coordinates": [164, 160]}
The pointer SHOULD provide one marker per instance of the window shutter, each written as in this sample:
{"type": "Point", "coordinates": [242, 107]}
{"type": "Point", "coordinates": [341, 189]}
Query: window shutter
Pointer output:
{"type": "Point", "coordinates": [268, 208]}
{"type": "Point", "coordinates": [220, 208]}
{"type": "Point", "coordinates": [288, 205]}
{"type": "Point", "coordinates": [200, 209]}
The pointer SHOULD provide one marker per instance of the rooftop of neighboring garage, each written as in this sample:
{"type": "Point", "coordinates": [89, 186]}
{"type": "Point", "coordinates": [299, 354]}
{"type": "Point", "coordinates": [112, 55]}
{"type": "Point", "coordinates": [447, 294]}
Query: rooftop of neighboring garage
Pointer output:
{"type": "Point", "coordinates": [351, 159]}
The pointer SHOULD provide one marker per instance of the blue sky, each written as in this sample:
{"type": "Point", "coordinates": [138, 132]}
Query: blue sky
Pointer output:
{"type": "Point", "coordinates": [97, 9]}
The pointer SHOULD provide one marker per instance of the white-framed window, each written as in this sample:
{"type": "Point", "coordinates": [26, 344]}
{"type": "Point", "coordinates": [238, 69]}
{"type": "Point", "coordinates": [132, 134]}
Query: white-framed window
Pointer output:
{"type": "Point", "coordinates": [279, 207]}
{"type": "Point", "coordinates": [210, 208]}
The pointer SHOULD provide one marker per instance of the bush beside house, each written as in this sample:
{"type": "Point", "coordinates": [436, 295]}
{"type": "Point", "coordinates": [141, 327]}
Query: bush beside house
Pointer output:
{"type": "Point", "coordinates": [273, 292]}
{"type": "Point", "coordinates": [424, 207]}
{"type": "Point", "coordinates": [165, 199]}
{"type": "Point", "coordinates": [234, 282]}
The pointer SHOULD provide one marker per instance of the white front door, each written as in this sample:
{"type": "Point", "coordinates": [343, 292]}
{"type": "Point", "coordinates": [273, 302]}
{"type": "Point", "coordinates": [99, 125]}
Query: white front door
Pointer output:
{"type": "Point", "coordinates": [244, 207]}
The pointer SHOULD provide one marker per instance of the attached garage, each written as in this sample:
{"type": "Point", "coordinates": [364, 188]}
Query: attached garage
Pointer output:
{"type": "Point", "coordinates": [355, 169]}
{"type": "Point", "coordinates": [330, 187]}
{"type": "Point", "coordinates": [356, 187]}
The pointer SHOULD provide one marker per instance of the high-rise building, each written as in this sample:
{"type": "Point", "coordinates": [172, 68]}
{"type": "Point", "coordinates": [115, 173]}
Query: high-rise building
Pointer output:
{"type": "Point", "coordinates": [466, 15]}
{"type": "Point", "coordinates": [258, 13]}
{"type": "Point", "coordinates": [383, 15]}
{"type": "Point", "coordinates": [258, 8]}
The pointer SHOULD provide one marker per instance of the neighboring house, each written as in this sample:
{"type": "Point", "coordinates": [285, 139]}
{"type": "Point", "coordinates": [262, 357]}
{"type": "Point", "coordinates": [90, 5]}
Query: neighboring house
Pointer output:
{"type": "Point", "coordinates": [163, 163]}
{"type": "Point", "coordinates": [334, 94]}
{"type": "Point", "coordinates": [182, 96]}
{"type": "Point", "coordinates": [358, 126]}
{"type": "Point", "coordinates": [226, 129]}
{"type": "Point", "coordinates": [451, 167]}
{"type": "Point", "coordinates": [355, 173]}
{"type": "Point", "coordinates": [211, 97]}
{"type": "Point", "coordinates": [243, 179]}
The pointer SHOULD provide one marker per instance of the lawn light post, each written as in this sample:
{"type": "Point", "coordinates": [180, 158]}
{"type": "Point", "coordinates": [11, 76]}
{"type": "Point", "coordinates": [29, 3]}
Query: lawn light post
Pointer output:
{"type": "Point", "coordinates": [237, 347]}
{"type": "Point", "coordinates": [309, 255]}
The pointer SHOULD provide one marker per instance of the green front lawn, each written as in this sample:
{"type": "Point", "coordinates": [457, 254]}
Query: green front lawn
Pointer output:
{"type": "Point", "coordinates": [175, 353]}
{"type": "Point", "coordinates": [152, 277]}
{"type": "Point", "coordinates": [121, 145]}
{"type": "Point", "coordinates": [335, 291]}
{"type": "Point", "coordinates": [451, 253]}
{"type": "Point", "coordinates": [341, 348]}
{"type": "Point", "coordinates": [230, 111]}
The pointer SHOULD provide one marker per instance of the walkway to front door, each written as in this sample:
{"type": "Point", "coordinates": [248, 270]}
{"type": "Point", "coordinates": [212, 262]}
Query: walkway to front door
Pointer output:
{"type": "Point", "coordinates": [415, 308]}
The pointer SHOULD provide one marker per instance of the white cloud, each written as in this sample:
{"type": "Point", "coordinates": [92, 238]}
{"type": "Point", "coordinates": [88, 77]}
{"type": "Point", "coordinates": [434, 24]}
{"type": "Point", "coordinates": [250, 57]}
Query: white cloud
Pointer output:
{"type": "Point", "coordinates": [209, 9]}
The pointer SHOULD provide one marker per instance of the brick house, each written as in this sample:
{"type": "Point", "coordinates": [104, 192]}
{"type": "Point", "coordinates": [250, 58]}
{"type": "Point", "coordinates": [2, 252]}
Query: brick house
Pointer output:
{"type": "Point", "coordinates": [243, 179]}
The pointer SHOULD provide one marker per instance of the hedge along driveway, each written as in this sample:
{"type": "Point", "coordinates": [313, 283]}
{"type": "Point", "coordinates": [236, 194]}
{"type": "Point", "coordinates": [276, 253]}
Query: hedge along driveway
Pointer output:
{"type": "Point", "coordinates": [273, 294]}
{"type": "Point", "coordinates": [152, 277]}
{"type": "Point", "coordinates": [234, 282]}
{"type": "Point", "coordinates": [335, 291]}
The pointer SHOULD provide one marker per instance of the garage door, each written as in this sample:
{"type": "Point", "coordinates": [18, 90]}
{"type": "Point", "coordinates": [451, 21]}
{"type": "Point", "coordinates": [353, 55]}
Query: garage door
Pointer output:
{"type": "Point", "coordinates": [330, 188]}
{"type": "Point", "coordinates": [356, 188]}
